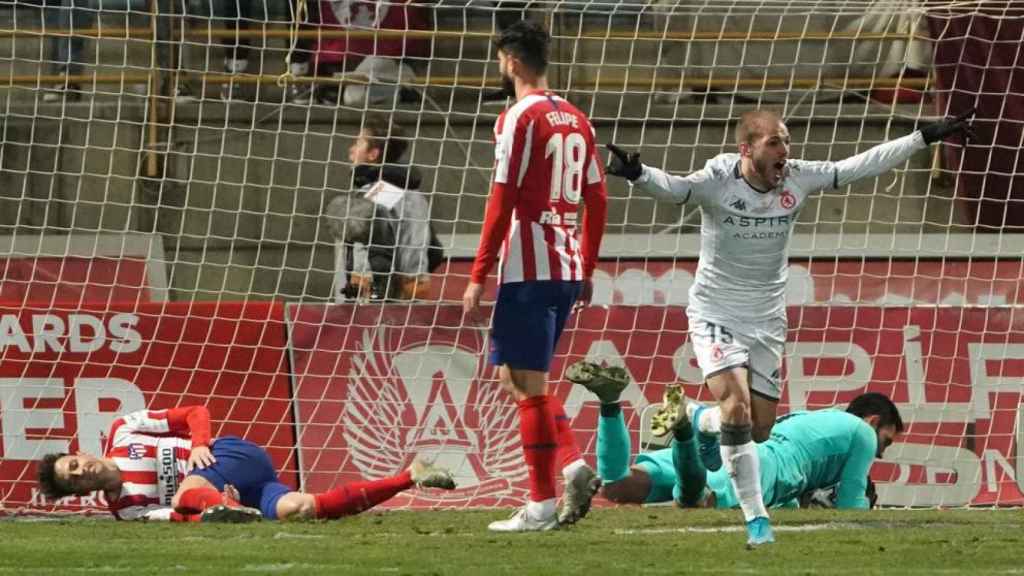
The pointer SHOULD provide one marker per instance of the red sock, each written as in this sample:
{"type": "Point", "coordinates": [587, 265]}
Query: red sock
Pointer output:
{"type": "Point", "coordinates": [354, 497]}
{"type": "Point", "coordinates": [568, 451]}
{"type": "Point", "coordinates": [540, 444]}
{"type": "Point", "coordinates": [196, 500]}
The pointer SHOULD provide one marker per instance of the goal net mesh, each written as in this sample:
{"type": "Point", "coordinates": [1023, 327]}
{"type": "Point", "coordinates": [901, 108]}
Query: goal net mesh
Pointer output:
{"type": "Point", "coordinates": [177, 179]}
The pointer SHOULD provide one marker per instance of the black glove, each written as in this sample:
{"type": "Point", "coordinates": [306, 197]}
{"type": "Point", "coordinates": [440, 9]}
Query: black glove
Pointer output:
{"type": "Point", "coordinates": [380, 288]}
{"type": "Point", "coordinates": [871, 494]}
{"type": "Point", "coordinates": [940, 130]}
{"type": "Point", "coordinates": [623, 164]}
{"type": "Point", "coordinates": [350, 291]}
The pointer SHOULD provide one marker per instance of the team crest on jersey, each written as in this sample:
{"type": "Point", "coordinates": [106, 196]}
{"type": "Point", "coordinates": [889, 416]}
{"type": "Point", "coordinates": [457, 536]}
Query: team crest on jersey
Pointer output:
{"type": "Point", "coordinates": [414, 399]}
{"type": "Point", "coordinates": [716, 353]}
{"type": "Point", "coordinates": [136, 451]}
{"type": "Point", "coordinates": [787, 200]}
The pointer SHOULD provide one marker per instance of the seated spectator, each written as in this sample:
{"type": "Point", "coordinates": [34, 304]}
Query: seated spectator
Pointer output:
{"type": "Point", "coordinates": [383, 61]}
{"type": "Point", "coordinates": [388, 215]}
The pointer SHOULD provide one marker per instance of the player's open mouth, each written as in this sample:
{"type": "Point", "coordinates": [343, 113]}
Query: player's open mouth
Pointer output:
{"type": "Point", "coordinates": [780, 165]}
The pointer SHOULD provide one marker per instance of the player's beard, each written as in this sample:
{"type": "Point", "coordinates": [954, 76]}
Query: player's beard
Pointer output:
{"type": "Point", "coordinates": [766, 170]}
{"type": "Point", "coordinates": [508, 85]}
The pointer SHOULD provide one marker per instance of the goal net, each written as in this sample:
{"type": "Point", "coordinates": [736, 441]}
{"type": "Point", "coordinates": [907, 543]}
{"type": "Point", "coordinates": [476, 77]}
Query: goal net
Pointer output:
{"type": "Point", "coordinates": [179, 186]}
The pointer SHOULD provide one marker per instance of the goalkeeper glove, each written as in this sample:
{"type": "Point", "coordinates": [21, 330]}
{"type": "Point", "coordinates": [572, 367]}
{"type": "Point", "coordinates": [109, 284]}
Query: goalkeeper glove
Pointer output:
{"type": "Point", "coordinates": [871, 494]}
{"type": "Point", "coordinates": [940, 130]}
{"type": "Point", "coordinates": [623, 164]}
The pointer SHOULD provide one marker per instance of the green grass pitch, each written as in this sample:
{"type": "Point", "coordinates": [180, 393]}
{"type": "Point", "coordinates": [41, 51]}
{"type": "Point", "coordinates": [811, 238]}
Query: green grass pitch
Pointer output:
{"type": "Point", "coordinates": [623, 541]}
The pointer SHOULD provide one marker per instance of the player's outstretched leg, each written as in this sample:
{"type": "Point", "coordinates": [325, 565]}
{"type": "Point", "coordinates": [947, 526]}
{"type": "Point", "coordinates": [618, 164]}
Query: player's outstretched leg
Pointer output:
{"type": "Point", "coordinates": [606, 382]}
{"type": "Point", "coordinates": [355, 497]}
{"type": "Point", "coordinates": [691, 476]}
{"type": "Point", "coordinates": [668, 413]}
{"type": "Point", "coordinates": [707, 423]}
{"type": "Point", "coordinates": [582, 483]}
{"type": "Point", "coordinates": [425, 475]}
{"type": "Point", "coordinates": [614, 451]}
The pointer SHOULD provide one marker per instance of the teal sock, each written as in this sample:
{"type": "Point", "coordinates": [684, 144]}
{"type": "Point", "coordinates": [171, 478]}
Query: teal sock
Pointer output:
{"type": "Point", "coordinates": [613, 447]}
{"type": "Point", "coordinates": [690, 473]}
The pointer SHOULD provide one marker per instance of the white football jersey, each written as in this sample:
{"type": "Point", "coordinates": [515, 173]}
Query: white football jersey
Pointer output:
{"type": "Point", "coordinates": [743, 266]}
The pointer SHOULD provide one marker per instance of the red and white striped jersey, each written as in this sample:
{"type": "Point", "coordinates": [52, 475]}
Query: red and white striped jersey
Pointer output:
{"type": "Point", "coordinates": [151, 449]}
{"type": "Point", "coordinates": [546, 162]}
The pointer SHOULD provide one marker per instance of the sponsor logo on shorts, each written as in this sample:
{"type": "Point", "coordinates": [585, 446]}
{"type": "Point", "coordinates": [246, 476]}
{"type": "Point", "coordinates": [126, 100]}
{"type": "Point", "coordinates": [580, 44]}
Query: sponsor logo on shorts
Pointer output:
{"type": "Point", "coordinates": [716, 353]}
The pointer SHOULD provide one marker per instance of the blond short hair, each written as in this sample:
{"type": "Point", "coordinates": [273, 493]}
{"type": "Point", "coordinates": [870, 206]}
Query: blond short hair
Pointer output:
{"type": "Point", "coordinates": [755, 124]}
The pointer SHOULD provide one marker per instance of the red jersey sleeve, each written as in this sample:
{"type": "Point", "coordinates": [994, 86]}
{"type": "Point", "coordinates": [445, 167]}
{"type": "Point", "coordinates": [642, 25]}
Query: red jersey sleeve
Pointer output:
{"type": "Point", "coordinates": [510, 146]}
{"type": "Point", "coordinates": [184, 422]}
{"type": "Point", "coordinates": [595, 202]}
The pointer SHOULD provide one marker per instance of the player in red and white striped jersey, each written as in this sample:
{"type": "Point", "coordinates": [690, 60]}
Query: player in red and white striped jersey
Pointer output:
{"type": "Point", "coordinates": [546, 164]}
{"type": "Point", "coordinates": [163, 465]}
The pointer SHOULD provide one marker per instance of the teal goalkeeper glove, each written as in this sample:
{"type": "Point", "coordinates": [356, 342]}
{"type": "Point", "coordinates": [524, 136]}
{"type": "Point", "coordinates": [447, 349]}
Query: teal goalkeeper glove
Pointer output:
{"type": "Point", "coordinates": [940, 130]}
{"type": "Point", "coordinates": [623, 164]}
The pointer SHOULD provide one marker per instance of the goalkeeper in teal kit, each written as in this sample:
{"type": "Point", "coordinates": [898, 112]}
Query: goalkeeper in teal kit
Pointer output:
{"type": "Point", "coordinates": [807, 451]}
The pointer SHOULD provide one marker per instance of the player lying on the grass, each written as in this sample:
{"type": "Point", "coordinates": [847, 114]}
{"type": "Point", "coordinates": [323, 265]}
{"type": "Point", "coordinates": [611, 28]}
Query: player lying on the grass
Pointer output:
{"type": "Point", "coordinates": [749, 204]}
{"type": "Point", "coordinates": [163, 465]}
{"type": "Point", "coordinates": [807, 451]}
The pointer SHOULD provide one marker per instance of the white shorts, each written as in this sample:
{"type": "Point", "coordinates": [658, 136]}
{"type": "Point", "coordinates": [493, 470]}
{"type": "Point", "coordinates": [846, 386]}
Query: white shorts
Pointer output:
{"type": "Point", "coordinates": [758, 347]}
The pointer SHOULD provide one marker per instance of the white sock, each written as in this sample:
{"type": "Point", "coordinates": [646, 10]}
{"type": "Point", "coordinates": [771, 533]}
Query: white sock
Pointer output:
{"type": "Point", "coordinates": [710, 419]}
{"type": "Point", "coordinates": [299, 68]}
{"type": "Point", "coordinates": [573, 468]}
{"type": "Point", "coordinates": [744, 469]}
{"type": "Point", "coordinates": [541, 510]}
{"type": "Point", "coordinates": [235, 66]}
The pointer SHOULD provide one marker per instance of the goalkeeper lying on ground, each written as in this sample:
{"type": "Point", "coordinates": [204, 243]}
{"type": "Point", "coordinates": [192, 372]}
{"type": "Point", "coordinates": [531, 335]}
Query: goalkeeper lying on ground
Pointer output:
{"type": "Point", "coordinates": [807, 451]}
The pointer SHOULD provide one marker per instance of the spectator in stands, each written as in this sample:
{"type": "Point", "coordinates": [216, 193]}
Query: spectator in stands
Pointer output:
{"type": "Point", "coordinates": [388, 215]}
{"type": "Point", "coordinates": [66, 48]}
{"type": "Point", "coordinates": [237, 15]}
{"type": "Point", "coordinates": [66, 51]}
{"type": "Point", "coordinates": [384, 62]}
{"type": "Point", "coordinates": [305, 48]}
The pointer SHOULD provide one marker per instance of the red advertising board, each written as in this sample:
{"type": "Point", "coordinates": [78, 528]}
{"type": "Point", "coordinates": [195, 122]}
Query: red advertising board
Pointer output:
{"type": "Point", "coordinates": [70, 279]}
{"type": "Point", "coordinates": [376, 386]}
{"type": "Point", "coordinates": [68, 372]}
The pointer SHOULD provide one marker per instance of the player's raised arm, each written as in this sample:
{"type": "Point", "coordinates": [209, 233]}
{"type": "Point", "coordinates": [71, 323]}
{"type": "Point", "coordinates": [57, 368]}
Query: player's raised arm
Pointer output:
{"type": "Point", "coordinates": [653, 181]}
{"type": "Point", "coordinates": [884, 157]}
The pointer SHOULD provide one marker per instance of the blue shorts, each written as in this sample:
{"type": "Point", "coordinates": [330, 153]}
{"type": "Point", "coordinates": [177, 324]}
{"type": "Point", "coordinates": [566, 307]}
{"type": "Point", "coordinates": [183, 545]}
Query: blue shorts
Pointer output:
{"type": "Point", "coordinates": [247, 467]}
{"type": "Point", "coordinates": [528, 320]}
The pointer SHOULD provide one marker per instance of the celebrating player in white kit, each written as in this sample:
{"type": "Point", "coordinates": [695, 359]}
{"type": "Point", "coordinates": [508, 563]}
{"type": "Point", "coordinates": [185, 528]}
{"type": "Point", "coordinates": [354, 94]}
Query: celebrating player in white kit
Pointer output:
{"type": "Point", "coordinates": [737, 308]}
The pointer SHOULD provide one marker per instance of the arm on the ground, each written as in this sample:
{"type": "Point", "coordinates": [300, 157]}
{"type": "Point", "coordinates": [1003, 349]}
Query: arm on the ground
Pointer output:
{"type": "Point", "coordinates": [853, 478]}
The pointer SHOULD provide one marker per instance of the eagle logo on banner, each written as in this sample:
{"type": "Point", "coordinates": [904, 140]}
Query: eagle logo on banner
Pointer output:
{"type": "Point", "coordinates": [434, 400]}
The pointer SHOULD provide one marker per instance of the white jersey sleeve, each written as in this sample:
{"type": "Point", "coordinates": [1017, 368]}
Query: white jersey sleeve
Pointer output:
{"type": "Point", "coordinates": [694, 188]}
{"type": "Point", "coordinates": [817, 176]}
